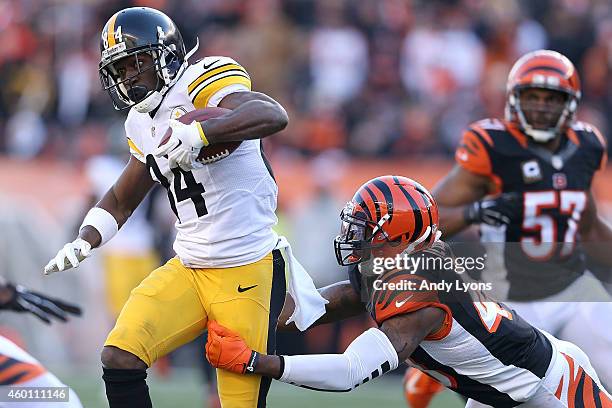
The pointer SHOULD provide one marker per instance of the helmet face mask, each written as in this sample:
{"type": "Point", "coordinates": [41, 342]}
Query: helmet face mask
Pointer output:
{"type": "Point", "coordinates": [543, 122]}
{"type": "Point", "coordinates": [388, 216]}
{"type": "Point", "coordinates": [141, 33]}
{"type": "Point", "coordinates": [543, 71]}
{"type": "Point", "coordinates": [126, 92]}
{"type": "Point", "coordinates": [354, 244]}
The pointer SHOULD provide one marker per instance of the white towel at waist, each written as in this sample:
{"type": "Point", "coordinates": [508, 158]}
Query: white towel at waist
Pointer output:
{"type": "Point", "coordinates": [309, 304]}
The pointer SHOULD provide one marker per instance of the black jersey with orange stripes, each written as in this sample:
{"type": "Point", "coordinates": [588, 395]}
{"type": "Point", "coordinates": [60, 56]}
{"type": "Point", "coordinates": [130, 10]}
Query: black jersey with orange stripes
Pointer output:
{"type": "Point", "coordinates": [541, 251]}
{"type": "Point", "coordinates": [482, 350]}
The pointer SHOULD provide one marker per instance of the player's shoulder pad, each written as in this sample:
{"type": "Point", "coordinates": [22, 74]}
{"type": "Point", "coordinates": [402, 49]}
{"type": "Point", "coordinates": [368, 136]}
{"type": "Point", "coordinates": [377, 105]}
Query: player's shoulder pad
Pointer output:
{"type": "Point", "coordinates": [473, 151]}
{"type": "Point", "coordinates": [398, 293]}
{"type": "Point", "coordinates": [493, 132]}
{"type": "Point", "coordinates": [209, 64]}
{"type": "Point", "coordinates": [590, 134]}
{"type": "Point", "coordinates": [589, 137]}
{"type": "Point", "coordinates": [130, 120]}
{"type": "Point", "coordinates": [489, 124]}
{"type": "Point", "coordinates": [210, 74]}
{"type": "Point", "coordinates": [408, 290]}
{"type": "Point", "coordinates": [133, 133]}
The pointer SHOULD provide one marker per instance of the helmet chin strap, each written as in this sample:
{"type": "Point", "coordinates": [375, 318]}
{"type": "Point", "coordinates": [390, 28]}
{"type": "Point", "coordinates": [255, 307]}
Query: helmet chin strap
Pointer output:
{"type": "Point", "coordinates": [154, 99]}
{"type": "Point", "coordinates": [150, 102]}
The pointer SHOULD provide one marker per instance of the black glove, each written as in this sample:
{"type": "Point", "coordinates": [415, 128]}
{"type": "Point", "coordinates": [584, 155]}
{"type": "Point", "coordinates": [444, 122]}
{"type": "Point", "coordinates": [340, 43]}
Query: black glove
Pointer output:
{"type": "Point", "coordinates": [501, 210]}
{"type": "Point", "coordinates": [43, 307]}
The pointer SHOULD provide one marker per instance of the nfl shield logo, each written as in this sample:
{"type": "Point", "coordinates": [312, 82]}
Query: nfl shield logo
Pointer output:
{"type": "Point", "coordinates": [559, 181]}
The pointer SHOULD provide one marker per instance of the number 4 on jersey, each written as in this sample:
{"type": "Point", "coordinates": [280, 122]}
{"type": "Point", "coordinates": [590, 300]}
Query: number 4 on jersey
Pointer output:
{"type": "Point", "coordinates": [491, 314]}
{"type": "Point", "coordinates": [193, 190]}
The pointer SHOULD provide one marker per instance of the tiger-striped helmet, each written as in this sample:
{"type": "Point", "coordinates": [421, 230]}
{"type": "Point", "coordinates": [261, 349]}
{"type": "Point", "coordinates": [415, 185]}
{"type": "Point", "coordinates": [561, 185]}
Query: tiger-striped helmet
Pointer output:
{"type": "Point", "coordinates": [543, 69]}
{"type": "Point", "coordinates": [387, 216]}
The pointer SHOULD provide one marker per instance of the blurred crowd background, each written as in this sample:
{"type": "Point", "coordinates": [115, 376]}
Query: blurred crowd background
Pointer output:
{"type": "Point", "coordinates": [371, 87]}
{"type": "Point", "coordinates": [371, 77]}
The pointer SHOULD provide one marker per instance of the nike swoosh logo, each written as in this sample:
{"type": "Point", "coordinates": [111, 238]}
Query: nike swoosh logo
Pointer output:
{"type": "Point", "coordinates": [211, 64]}
{"type": "Point", "coordinates": [400, 304]}
{"type": "Point", "coordinates": [245, 289]}
{"type": "Point", "coordinates": [411, 384]}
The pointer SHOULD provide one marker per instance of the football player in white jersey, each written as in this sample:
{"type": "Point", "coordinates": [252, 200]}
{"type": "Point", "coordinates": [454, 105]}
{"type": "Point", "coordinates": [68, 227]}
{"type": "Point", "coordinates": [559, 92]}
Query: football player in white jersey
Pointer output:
{"type": "Point", "coordinates": [227, 267]}
{"type": "Point", "coordinates": [20, 369]}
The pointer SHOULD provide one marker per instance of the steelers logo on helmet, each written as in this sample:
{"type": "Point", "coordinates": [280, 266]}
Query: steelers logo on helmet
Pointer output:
{"type": "Point", "coordinates": [142, 56]}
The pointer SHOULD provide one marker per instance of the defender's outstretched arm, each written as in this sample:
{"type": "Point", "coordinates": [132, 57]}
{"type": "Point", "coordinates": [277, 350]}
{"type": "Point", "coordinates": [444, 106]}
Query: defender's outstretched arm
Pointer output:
{"type": "Point", "coordinates": [343, 303]}
{"type": "Point", "coordinates": [370, 355]}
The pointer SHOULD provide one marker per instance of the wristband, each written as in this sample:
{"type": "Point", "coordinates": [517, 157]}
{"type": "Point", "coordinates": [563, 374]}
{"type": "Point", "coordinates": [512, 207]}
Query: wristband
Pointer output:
{"type": "Point", "coordinates": [471, 213]}
{"type": "Point", "coordinates": [202, 135]}
{"type": "Point", "coordinates": [250, 367]}
{"type": "Point", "coordinates": [282, 367]}
{"type": "Point", "coordinates": [103, 221]}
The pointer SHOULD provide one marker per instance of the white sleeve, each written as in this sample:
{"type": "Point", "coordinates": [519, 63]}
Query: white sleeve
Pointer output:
{"type": "Point", "coordinates": [223, 92]}
{"type": "Point", "coordinates": [133, 140]}
{"type": "Point", "coordinates": [369, 356]}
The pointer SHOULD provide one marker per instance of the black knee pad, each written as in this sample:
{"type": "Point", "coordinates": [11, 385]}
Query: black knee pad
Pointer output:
{"type": "Point", "coordinates": [126, 388]}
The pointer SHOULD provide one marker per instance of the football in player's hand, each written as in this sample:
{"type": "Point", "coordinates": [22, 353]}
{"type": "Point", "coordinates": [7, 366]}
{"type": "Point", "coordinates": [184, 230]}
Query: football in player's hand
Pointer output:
{"type": "Point", "coordinates": [213, 152]}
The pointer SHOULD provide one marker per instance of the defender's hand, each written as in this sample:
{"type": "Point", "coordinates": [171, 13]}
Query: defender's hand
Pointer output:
{"type": "Point", "coordinates": [497, 211]}
{"type": "Point", "coordinates": [73, 252]}
{"type": "Point", "coordinates": [227, 350]}
{"type": "Point", "coordinates": [183, 146]}
{"type": "Point", "coordinates": [21, 299]}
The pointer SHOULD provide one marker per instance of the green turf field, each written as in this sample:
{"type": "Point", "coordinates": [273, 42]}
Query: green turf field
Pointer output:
{"type": "Point", "coordinates": [184, 390]}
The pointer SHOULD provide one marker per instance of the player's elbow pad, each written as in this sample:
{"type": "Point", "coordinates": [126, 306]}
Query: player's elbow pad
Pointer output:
{"type": "Point", "coordinates": [367, 357]}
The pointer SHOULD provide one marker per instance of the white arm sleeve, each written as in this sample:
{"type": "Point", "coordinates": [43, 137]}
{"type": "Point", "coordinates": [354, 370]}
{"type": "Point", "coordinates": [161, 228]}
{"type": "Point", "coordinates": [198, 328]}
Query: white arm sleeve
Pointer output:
{"type": "Point", "coordinates": [367, 357]}
{"type": "Point", "coordinates": [223, 92]}
{"type": "Point", "coordinates": [103, 221]}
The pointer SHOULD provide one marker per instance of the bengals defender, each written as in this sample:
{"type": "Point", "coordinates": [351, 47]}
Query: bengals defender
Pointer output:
{"type": "Point", "coordinates": [17, 367]}
{"type": "Point", "coordinates": [526, 180]}
{"type": "Point", "coordinates": [475, 346]}
{"type": "Point", "coordinates": [227, 267]}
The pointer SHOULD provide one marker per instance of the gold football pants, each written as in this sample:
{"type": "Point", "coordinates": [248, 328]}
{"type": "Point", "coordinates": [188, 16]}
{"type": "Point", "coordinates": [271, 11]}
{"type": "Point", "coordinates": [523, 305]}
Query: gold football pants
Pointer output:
{"type": "Point", "coordinates": [172, 306]}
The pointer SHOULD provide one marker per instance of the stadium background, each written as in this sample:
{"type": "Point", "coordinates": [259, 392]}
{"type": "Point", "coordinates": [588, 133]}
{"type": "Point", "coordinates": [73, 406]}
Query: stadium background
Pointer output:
{"type": "Point", "coordinates": [371, 86]}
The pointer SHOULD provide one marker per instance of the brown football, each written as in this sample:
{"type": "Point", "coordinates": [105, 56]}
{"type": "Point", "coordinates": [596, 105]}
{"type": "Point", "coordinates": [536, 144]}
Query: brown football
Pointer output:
{"type": "Point", "coordinates": [214, 152]}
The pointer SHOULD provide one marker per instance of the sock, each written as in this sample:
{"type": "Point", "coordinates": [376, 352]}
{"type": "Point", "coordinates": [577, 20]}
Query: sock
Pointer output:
{"type": "Point", "coordinates": [126, 388]}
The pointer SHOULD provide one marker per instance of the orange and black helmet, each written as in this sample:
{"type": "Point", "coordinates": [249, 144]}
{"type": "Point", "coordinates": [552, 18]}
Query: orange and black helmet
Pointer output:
{"type": "Point", "coordinates": [387, 216]}
{"type": "Point", "coordinates": [543, 69]}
